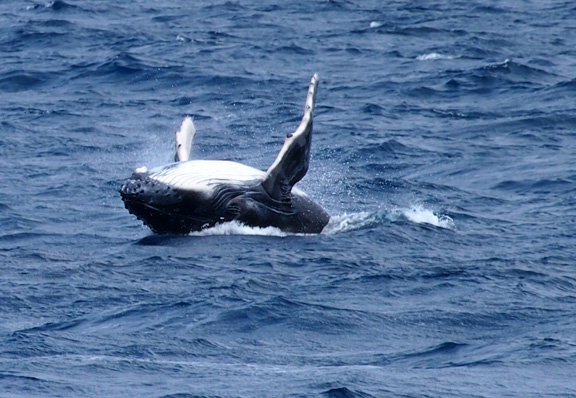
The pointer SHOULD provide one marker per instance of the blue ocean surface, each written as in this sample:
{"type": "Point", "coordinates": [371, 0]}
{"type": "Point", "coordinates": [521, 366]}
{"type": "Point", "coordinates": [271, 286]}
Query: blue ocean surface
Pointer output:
{"type": "Point", "coordinates": [444, 148]}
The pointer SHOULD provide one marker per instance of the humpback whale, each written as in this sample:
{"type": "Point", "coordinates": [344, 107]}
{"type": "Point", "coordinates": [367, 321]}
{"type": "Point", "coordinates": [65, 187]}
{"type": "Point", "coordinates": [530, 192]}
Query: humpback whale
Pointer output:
{"type": "Point", "coordinates": [191, 195]}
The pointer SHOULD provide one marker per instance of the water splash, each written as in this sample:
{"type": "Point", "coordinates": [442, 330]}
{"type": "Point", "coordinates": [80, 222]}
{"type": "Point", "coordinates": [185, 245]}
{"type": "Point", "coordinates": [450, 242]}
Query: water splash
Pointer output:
{"type": "Point", "coordinates": [350, 222]}
{"type": "Point", "coordinates": [342, 223]}
{"type": "Point", "coordinates": [417, 214]}
{"type": "Point", "coordinates": [420, 215]}
{"type": "Point", "coordinates": [338, 224]}
{"type": "Point", "coordinates": [237, 228]}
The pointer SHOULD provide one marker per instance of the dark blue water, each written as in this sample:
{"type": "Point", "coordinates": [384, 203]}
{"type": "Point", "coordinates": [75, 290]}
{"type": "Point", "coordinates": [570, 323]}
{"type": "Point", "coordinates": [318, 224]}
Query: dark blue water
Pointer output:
{"type": "Point", "coordinates": [444, 148]}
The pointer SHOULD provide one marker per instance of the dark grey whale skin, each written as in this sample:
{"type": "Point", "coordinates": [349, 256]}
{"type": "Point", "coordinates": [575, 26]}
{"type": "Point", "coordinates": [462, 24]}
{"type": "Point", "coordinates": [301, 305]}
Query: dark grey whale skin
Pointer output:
{"type": "Point", "coordinates": [266, 202]}
{"type": "Point", "coordinates": [167, 210]}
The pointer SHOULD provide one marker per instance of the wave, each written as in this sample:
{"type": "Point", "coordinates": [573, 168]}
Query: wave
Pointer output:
{"type": "Point", "coordinates": [54, 5]}
{"type": "Point", "coordinates": [540, 186]}
{"type": "Point", "coordinates": [344, 392]}
{"type": "Point", "coordinates": [122, 64]}
{"type": "Point", "coordinates": [17, 81]}
{"type": "Point", "coordinates": [416, 214]}
{"type": "Point", "coordinates": [343, 223]}
{"type": "Point", "coordinates": [420, 215]}
{"type": "Point", "coordinates": [433, 57]}
{"type": "Point", "coordinates": [451, 354]}
{"type": "Point", "coordinates": [506, 74]}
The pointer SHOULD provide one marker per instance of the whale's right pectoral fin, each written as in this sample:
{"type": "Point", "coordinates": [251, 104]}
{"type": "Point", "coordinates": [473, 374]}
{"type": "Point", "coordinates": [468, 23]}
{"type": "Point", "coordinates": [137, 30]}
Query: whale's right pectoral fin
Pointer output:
{"type": "Point", "coordinates": [184, 140]}
{"type": "Point", "coordinates": [292, 162]}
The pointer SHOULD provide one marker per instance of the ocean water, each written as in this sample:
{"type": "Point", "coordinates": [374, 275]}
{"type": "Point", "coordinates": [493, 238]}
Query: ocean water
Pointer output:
{"type": "Point", "coordinates": [444, 149]}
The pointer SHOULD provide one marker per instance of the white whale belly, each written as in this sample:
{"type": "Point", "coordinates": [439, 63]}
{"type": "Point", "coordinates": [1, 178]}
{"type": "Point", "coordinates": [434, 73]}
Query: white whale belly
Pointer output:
{"type": "Point", "coordinates": [204, 175]}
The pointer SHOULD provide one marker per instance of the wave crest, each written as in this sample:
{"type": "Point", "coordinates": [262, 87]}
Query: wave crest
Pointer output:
{"type": "Point", "coordinates": [417, 214]}
{"type": "Point", "coordinates": [420, 215]}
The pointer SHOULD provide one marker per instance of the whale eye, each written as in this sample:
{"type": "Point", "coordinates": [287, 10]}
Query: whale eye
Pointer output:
{"type": "Point", "coordinates": [289, 135]}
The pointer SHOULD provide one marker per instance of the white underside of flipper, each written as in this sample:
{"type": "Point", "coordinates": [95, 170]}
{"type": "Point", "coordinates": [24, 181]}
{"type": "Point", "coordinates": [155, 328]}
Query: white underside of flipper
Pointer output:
{"type": "Point", "coordinates": [184, 139]}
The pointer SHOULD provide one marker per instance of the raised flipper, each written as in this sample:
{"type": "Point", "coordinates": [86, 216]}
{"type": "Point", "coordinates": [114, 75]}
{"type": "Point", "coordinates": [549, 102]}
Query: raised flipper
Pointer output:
{"type": "Point", "coordinates": [184, 139]}
{"type": "Point", "coordinates": [292, 162]}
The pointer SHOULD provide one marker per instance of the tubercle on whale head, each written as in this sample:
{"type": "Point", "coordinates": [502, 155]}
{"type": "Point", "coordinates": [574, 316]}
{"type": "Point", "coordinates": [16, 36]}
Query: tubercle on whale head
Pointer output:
{"type": "Point", "coordinates": [142, 188]}
{"type": "Point", "coordinates": [163, 208]}
{"type": "Point", "coordinates": [133, 186]}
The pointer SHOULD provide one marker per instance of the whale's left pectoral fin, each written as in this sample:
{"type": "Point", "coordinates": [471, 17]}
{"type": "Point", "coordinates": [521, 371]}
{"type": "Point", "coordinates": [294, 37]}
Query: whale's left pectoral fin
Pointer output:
{"type": "Point", "coordinates": [184, 140]}
{"type": "Point", "coordinates": [292, 162]}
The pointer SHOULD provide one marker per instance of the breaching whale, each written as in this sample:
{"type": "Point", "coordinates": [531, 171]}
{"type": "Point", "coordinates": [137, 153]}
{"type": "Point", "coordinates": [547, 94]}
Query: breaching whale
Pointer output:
{"type": "Point", "coordinates": [191, 195]}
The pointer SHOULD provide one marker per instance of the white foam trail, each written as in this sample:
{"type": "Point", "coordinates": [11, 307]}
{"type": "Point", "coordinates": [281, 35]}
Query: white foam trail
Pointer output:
{"type": "Point", "coordinates": [184, 139]}
{"type": "Point", "coordinates": [237, 228]}
{"type": "Point", "coordinates": [420, 215]}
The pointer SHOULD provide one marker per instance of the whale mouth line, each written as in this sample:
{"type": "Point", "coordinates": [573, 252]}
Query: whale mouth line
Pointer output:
{"type": "Point", "coordinates": [165, 222]}
{"type": "Point", "coordinates": [158, 210]}
{"type": "Point", "coordinates": [142, 204]}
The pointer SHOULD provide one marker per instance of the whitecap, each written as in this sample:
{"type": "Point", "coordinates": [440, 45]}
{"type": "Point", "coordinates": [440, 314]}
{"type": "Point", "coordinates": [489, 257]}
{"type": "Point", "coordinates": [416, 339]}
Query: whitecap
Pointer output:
{"type": "Point", "coordinates": [433, 57]}
{"type": "Point", "coordinates": [182, 38]}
